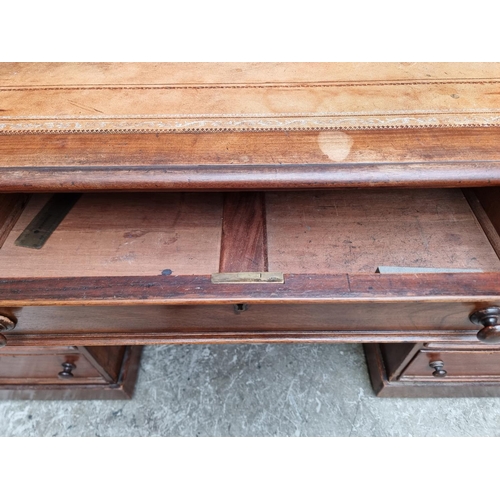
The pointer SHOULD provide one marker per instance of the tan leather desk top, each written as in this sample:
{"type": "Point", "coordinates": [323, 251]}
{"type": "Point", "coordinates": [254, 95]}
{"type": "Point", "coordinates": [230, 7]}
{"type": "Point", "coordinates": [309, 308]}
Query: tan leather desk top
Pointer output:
{"type": "Point", "coordinates": [186, 97]}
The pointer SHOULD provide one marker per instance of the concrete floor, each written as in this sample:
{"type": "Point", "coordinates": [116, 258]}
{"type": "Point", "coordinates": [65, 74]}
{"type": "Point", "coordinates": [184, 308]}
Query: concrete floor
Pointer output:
{"type": "Point", "coordinates": [253, 390]}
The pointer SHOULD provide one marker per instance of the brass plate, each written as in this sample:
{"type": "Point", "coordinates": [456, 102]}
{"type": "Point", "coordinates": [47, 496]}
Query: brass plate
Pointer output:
{"type": "Point", "coordinates": [248, 278]}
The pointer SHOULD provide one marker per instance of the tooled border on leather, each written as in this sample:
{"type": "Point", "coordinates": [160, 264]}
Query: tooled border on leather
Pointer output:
{"type": "Point", "coordinates": [366, 83]}
{"type": "Point", "coordinates": [223, 130]}
{"type": "Point", "coordinates": [473, 121]}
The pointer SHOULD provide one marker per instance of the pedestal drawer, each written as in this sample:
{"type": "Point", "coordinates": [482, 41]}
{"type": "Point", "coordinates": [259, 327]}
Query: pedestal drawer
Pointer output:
{"type": "Point", "coordinates": [88, 372]}
{"type": "Point", "coordinates": [457, 365]}
{"type": "Point", "coordinates": [24, 366]}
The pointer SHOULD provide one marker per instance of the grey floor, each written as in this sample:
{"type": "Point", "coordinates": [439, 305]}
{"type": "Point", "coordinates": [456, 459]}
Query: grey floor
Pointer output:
{"type": "Point", "coordinates": [253, 390]}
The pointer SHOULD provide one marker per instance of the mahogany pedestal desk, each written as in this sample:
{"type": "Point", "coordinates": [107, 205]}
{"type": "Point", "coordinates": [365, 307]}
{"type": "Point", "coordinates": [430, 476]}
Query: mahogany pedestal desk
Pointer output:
{"type": "Point", "coordinates": [223, 203]}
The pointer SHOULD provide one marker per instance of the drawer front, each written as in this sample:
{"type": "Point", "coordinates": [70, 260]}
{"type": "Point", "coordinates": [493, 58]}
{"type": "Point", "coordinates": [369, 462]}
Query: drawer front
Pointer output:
{"type": "Point", "coordinates": [359, 316]}
{"type": "Point", "coordinates": [458, 365]}
{"type": "Point", "coordinates": [25, 368]}
{"type": "Point", "coordinates": [461, 346]}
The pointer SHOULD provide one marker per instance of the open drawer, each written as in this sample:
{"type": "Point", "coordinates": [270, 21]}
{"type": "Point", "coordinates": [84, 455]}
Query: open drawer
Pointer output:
{"type": "Point", "coordinates": [341, 265]}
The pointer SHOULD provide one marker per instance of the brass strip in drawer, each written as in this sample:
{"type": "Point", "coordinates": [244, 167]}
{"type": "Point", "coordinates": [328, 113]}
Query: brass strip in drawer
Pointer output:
{"type": "Point", "coordinates": [248, 277]}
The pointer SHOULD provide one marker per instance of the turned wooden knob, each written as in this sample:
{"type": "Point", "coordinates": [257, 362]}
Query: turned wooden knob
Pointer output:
{"type": "Point", "coordinates": [439, 370]}
{"type": "Point", "coordinates": [67, 370]}
{"type": "Point", "coordinates": [489, 318]}
{"type": "Point", "coordinates": [6, 324]}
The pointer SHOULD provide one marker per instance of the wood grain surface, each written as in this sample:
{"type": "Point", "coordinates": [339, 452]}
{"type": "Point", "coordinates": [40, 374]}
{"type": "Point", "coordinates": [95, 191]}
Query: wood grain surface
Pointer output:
{"type": "Point", "coordinates": [488, 219]}
{"type": "Point", "coordinates": [107, 360]}
{"type": "Point", "coordinates": [244, 233]}
{"type": "Point", "coordinates": [356, 148]}
{"type": "Point", "coordinates": [397, 356]}
{"type": "Point", "coordinates": [411, 315]}
{"type": "Point", "coordinates": [11, 208]}
{"type": "Point", "coordinates": [265, 337]}
{"type": "Point", "coordinates": [489, 214]}
{"type": "Point", "coordinates": [328, 232]}
{"type": "Point", "coordinates": [123, 234]}
{"type": "Point", "coordinates": [250, 177]}
{"type": "Point", "coordinates": [357, 231]}
{"type": "Point", "coordinates": [298, 288]}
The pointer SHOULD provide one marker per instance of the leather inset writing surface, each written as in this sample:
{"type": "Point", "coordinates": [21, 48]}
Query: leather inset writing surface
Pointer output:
{"type": "Point", "coordinates": [173, 97]}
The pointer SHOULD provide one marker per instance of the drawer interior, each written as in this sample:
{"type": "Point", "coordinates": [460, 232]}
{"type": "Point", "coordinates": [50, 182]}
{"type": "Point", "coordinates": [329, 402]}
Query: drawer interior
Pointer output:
{"type": "Point", "coordinates": [353, 231]}
{"type": "Point", "coordinates": [313, 232]}
{"type": "Point", "coordinates": [122, 234]}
